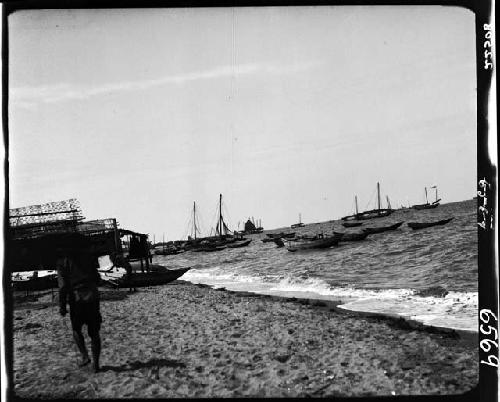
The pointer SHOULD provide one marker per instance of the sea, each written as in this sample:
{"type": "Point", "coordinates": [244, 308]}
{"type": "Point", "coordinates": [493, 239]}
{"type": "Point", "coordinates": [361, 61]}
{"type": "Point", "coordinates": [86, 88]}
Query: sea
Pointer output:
{"type": "Point", "coordinates": [428, 275]}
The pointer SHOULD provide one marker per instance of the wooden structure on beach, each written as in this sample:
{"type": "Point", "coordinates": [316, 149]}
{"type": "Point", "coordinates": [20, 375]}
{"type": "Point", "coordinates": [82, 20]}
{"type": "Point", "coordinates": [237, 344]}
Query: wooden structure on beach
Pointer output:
{"type": "Point", "coordinates": [34, 231]}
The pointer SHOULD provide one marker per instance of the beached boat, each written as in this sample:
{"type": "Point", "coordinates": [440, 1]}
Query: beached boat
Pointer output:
{"type": "Point", "coordinates": [372, 213]}
{"type": "Point", "coordinates": [423, 225]}
{"type": "Point", "coordinates": [158, 275]}
{"type": "Point", "coordinates": [381, 229]}
{"type": "Point", "coordinates": [428, 205]}
{"type": "Point", "coordinates": [358, 236]}
{"type": "Point", "coordinates": [299, 224]}
{"type": "Point", "coordinates": [351, 224]}
{"type": "Point", "coordinates": [315, 242]}
{"type": "Point", "coordinates": [33, 281]}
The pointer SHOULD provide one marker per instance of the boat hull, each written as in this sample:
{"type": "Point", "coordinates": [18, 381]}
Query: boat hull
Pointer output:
{"type": "Point", "coordinates": [423, 225]}
{"type": "Point", "coordinates": [372, 214]}
{"type": "Point", "coordinates": [306, 244]}
{"type": "Point", "coordinates": [425, 206]}
{"type": "Point", "coordinates": [43, 283]}
{"type": "Point", "coordinates": [382, 228]}
{"type": "Point", "coordinates": [142, 279]}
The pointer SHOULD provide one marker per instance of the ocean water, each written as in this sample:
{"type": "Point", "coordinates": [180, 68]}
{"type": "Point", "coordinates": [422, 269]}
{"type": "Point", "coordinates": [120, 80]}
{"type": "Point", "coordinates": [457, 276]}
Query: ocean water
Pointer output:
{"type": "Point", "coordinates": [402, 272]}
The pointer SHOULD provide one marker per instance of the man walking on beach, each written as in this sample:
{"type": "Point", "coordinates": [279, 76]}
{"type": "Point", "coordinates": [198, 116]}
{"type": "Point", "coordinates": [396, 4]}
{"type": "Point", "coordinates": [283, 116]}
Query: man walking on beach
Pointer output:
{"type": "Point", "coordinates": [78, 279]}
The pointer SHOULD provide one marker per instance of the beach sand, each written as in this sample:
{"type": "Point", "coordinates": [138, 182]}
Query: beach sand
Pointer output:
{"type": "Point", "coordinates": [184, 340]}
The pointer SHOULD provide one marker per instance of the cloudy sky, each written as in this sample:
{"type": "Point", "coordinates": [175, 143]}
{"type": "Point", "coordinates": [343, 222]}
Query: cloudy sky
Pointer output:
{"type": "Point", "coordinates": [138, 113]}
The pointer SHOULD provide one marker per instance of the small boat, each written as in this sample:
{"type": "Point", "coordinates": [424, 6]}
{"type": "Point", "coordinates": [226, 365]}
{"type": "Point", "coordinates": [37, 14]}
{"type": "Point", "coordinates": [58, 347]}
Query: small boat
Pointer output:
{"type": "Point", "coordinates": [351, 224]}
{"type": "Point", "coordinates": [422, 225]}
{"type": "Point", "coordinates": [428, 205]}
{"type": "Point", "coordinates": [372, 213]}
{"type": "Point", "coordinates": [158, 275]}
{"type": "Point", "coordinates": [239, 244]}
{"type": "Point", "coordinates": [33, 281]}
{"type": "Point", "coordinates": [353, 236]}
{"type": "Point", "coordinates": [316, 242]}
{"type": "Point", "coordinates": [299, 224]}
{"type": "Point", "coordinates": [381, 229]}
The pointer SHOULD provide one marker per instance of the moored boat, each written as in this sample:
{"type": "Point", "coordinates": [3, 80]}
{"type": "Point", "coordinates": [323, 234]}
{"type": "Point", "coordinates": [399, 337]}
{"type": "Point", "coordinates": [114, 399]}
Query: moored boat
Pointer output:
{"type": "Point", "coordinates": [315, 242]}
{"type": "Point", "coordinates": [372, 213]}
{"type": "Point", "coordinates": [427, 204]}
{"type": "Point", "coordinates": [299, 224]}
{"type": "Point", "coordinates": [423, 225]}
{"type": "Point", "coordinates": [381, 229]}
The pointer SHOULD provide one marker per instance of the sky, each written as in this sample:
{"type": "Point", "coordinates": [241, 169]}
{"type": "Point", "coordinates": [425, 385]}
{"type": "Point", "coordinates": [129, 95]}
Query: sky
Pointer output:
{"type": "Point", "coordinates": [282, 110]}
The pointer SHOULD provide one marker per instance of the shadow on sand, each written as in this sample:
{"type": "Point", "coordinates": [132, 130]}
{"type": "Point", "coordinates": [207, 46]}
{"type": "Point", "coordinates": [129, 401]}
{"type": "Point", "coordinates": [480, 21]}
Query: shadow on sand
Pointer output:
{"type": "Point", "coordinates": [149, 364]}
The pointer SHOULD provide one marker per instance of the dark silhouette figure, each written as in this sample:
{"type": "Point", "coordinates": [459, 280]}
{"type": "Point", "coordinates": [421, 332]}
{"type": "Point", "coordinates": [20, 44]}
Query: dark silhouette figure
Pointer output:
{"type": "Point", "coordinates": [78, 279]}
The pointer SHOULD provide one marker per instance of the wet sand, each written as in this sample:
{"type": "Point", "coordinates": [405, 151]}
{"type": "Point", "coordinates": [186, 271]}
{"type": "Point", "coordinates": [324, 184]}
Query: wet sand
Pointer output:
{"type": "Point", "coordinates": [184, 340]}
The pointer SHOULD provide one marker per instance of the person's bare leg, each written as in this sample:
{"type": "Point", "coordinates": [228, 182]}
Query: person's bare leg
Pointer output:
{"type": "Point", "coordinates": [96, 348]}
{"type": "Point", "coordinates": [80, 343]}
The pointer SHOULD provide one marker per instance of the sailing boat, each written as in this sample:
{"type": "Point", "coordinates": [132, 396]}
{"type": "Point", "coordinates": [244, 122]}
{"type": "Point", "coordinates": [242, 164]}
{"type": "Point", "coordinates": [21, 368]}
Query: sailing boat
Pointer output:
{"type": "Point", "coordinates": [298, 225]}
{"type": "Point", "coordinates": [372, 213]}
{"type": "Point", "coordinates": [223, 237]}
{"type": "Point", "coordinates": [428, 205]}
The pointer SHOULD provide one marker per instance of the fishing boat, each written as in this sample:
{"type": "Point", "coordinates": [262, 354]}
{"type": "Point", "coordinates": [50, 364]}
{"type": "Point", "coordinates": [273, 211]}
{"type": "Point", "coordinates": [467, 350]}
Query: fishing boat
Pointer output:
{"type": "Point", "coordinates": [158, 275]}
{"type": "Point", "coordinates": [251, 227]}
{"type": "Point", "coordinates": [168, 248]}
{"type": "Point", "coordinates": [381, 229]}
{"type": "Point", "coordinates": [428, 205]}
{"type": "Point", "coordinates": [372, 213]}
{"type": "Point", "coordinates": [222, 238]}
{"type": "Point", "coordinates": [316, 242]}
{"type": "Point", "coordinates": [358, 236]}
{"type": "Point", "coordinates": [351, 224]}
{"type": "Point", "coordinates": [423, 225]}
{"type": "Point", "coordinates": [299, 224]}
{"type": "Point", "coordinates": [34, 280]}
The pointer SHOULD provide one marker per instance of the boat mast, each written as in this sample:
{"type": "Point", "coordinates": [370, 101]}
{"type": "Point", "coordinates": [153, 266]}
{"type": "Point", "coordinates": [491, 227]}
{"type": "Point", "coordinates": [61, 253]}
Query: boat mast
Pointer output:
{"type": "Point", "coordinates": [220, 215]}
{"type": "Point", "coordinates": [388, 202]}
{"type": "Point", "coordinates": [378, 195]}
{"type": "Point", "coordinates": [436, 193]}
{"type": "Point", "coordinates": [300, 218]}
{"type": "Point", "coordinates": [356, 203]}
{"type": "Point", "coordinates": [194, 219]}
{"type": "Point", "coordinates": [426, 200]}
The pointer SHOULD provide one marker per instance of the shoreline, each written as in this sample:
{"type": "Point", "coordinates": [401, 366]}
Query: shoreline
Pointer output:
{"type": "Point", "coordinates": [190, 340]}
{"type": "Point", "coordinates": [464, 335]}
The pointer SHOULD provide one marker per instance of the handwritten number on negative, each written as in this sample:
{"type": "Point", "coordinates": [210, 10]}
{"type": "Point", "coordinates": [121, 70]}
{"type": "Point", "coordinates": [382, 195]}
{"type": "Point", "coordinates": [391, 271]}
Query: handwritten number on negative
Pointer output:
{"type": "Point", "coordinates": [490, 330]}
{"type": "Point", "coordinates": [486, 312]}
{"type": "Point", "coordinates": [486, 344]}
